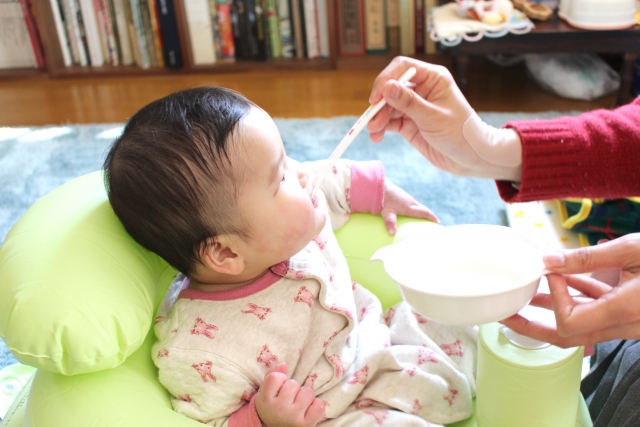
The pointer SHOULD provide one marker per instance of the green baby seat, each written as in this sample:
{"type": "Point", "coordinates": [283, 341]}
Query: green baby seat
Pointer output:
{"type": "Point", "coordinates": [77, 300]}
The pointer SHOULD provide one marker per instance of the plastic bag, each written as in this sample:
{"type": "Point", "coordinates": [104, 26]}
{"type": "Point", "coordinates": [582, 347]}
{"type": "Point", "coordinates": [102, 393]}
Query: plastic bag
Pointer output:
{"type": "Point", "coordinates": [574, 76]}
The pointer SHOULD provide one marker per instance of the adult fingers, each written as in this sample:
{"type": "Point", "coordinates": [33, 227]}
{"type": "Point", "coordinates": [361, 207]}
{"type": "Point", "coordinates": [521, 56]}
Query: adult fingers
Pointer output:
{"type": "Point", "coordinates": [548, 333]}
{"type": "Point", "coordinates": [588, 286]}
{"type": "Point", "coordinates": [394, 70]}
{"type": "Point", "coordinates": [623, 252]}
{"type": "Point", "coordinates": [574, 318]}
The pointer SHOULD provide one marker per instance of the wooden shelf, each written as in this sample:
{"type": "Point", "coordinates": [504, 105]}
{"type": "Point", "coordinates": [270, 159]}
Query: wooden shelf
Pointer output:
{"type": "Point", "coordinates": [57, 69]}
{"type": "Point", "coordinates": [23, 73]}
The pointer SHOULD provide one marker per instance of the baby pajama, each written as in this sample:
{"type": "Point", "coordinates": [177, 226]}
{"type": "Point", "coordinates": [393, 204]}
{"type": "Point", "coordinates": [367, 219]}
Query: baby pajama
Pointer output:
{"type": "Point", "coordinates": [368, 367]}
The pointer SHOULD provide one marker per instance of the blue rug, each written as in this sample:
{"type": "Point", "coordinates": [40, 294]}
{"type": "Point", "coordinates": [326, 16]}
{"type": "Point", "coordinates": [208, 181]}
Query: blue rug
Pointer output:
{"type": "Point", "coordinates": [34, 161]}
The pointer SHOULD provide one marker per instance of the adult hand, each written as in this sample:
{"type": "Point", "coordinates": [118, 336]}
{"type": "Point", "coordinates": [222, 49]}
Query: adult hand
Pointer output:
{"type": "Point", "coordinates": [281, 402]}
{"type": "Point", "coordinates": [436, 119]}
{"type": "Point", "coordinates": [609, 311]}
{"type": "Point", "coordinates": [399, 202]}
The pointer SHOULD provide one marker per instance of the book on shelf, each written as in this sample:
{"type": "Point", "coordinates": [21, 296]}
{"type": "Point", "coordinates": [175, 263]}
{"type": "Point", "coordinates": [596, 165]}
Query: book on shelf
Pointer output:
{"type": "Point", "coordinates": [91, 31]}
{"type": "Point", "coordinates": [323, 28]}
{"type": "Point", "coordinates": [430, 45]}
{"type": "Point", "coordinates": [155, 31]}
{"type": "Point", "coordinates": [350, 14]}
{"type": "Point", "coordinates": [419, 26]}
{"type": "Point", "coordinates": [407, 27]}
{"type": "Point", "coordinates": [107, 33]}
{"type": "Point", "coordinates": [169, 32]}
{"type": "Point", "coordinates": [147, 30]}
{"type": "Point", "coordinates": [124, 42]}
{"type": "Point", "coordinates": [61, 31]}
{"type": "Point", "coordinates": [215, 28]}
{"type": "Point", "coordinates": [200, 31]}
{"type": "Point", "coordinates": [312, 35]}
{"type": "Point", "coordinates": [75, 31]}
{"type": "Point", "coordinates": [226, 29]}
{"type": "Point", "coordinates": [286, 29]}
{"type": "Point", "coordinates": [258, 20]}
{"type": "Point", "coordinates": [298, 29]}
{"type": "Point", "coordinates": [137, 34]}
{"type": "Point", "coordinates": [16, 50]}
{"type": "Point", "coordinates": [273, 24]}
{"type": "Point", "coordinates": [375, 27]}
{"type": "Point", "coordinates": [241, 29]}
{"type": "Point", "coordinates": [393, 26]}
{"type": "Point", "coordinates": [34, 34]}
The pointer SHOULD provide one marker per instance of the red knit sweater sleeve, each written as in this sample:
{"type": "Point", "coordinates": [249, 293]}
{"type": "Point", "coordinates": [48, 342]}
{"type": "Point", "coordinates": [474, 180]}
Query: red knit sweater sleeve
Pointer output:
{"type": "Point", "coordinates": [593, 155]}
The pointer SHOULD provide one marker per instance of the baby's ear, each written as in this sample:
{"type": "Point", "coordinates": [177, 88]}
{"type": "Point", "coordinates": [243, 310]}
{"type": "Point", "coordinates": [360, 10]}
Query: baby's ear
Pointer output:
{"type": "Point", "coordinates": [219, 256]}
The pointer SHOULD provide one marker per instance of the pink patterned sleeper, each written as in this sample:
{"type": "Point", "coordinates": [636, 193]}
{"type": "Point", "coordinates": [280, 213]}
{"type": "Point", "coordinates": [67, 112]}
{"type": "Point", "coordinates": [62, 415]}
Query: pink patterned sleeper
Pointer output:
{"type": "Point", "coordinates": [370, 367]}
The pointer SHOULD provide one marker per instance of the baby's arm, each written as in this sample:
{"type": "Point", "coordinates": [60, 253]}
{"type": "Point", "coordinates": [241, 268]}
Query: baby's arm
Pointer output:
{"type": "Point", "coordinates": [361, 186]}
{"type": "Point", "coordinates": [281, 402]}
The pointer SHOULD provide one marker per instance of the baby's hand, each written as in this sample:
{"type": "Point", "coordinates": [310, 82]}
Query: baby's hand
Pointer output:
{"type": "Point", "coordinates": [283, 403]}
{"type": "Point", "coordinates": [399, 202]}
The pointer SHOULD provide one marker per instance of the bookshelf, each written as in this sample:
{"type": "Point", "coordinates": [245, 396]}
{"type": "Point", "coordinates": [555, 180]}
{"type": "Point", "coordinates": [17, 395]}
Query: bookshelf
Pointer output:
{"type": "Point", "coordinates": [56, 68]}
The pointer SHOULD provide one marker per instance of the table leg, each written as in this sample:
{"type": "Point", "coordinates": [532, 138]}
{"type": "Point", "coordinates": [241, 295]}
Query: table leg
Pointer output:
{"type": "Point", "coordinates": [461, 63]}
{"type": "Point", "coordinates": [626, 78]}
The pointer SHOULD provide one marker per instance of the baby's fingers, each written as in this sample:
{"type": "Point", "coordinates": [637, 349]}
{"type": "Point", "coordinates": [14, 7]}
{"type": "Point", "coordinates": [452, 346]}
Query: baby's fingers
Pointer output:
{"type": "Point", "coordinates": [421, 211]}
{"type": "Point", "coordinates": [315, 413]}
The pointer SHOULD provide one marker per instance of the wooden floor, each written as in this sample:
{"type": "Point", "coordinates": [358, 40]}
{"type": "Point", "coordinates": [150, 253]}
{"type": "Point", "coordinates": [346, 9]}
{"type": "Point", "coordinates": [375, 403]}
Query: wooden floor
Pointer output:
{"type": "Point", "coordinates": [40, 101]}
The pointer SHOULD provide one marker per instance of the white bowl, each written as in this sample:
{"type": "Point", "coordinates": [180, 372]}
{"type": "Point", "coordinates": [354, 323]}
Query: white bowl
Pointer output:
{"type": "Point", "coordinates": [464, 274]}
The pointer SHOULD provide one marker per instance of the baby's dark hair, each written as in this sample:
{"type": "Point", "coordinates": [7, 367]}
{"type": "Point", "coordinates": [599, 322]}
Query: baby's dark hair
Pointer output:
{"type": "Point", "coordinates": [168, 176]}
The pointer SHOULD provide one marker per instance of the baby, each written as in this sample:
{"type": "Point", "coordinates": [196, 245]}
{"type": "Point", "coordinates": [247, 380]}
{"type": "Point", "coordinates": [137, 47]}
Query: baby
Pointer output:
{"type": "Point", "coordinates": [264, 326]}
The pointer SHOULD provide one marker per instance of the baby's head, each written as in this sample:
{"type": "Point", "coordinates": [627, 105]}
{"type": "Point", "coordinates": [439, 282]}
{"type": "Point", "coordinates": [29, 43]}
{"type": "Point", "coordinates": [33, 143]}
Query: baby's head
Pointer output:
{"type": "Point", "coordinates": [201, 178]}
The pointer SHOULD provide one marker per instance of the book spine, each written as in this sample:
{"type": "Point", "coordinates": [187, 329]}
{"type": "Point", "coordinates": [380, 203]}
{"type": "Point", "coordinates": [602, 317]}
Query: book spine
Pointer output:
{"type": "Point", "coordinates": [124, 42]}
{"type": "Point", "coordinates": [419, 26]}
{"type": "Point", "coordinates": [72, 15]}
{"type": "Point", "coordinates": [34, 35]}
{"type": "Point", "coordinates": [15, 43]}
{"type": "Point", "coordinates": [298, 33]}
{"type": "Point", "coordinates": [80, 33]}
{"type": "Point", "coordinates": [155, 29]}
{"type": "Point", "coordinates": [286, 32]}
{"type": "Point", "coordinates": [169, 30]}
{"type": "Point", "coordinates": [200, 32]}
{"type": "Point", "coordinates": [133, 36]}
{"type": "Point", "coordinates": [430, 45]}
{"type": "Point", "coordinates": [274, 29]}
{"type": "Point", "coordinates": [148, 33]}
{"type": "Point", "coordinates": [240, 24]}
{"type": "Point", "coordinates": [323, 28]}
{"type": "Point", "coordinates": [393, 26]}
{"type": "Point", "coordinates": [258, 30]}
{"type": "Point", "coordinates": [215, 28]}
{"type": "Point", "coordinates": [92, 34]}
{"type": "Point", "coordinates": [376, 34]}
{"type": "Point", "coordinates": [407, 32]}
{"type": "Point", "coordinates": [110, 27]}
{"type": "Point", "coordinates": [139, 38]}
{"type": "Point", "coordinates": [350, 27]}
{"type": "Point", "coordinates": [63, 39]}
{"type": "Point", "coordinates": [102, 30]}
{"type": "Point", "coordinates": [311, 28]}
{"type": "Point", "coordinates": [226, 30]}
{"type": "Point", "coordinates": [83, 44]}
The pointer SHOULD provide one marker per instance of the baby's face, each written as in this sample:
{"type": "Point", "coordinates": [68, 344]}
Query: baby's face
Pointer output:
{"type": "Point", "coordinates": [275, 198]}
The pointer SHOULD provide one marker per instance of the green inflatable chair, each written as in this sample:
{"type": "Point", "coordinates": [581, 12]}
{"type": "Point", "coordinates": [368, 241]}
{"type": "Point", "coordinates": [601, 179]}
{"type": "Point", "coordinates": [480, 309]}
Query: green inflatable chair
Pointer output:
{"type": "Point", "coordinates": [77, 299]}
